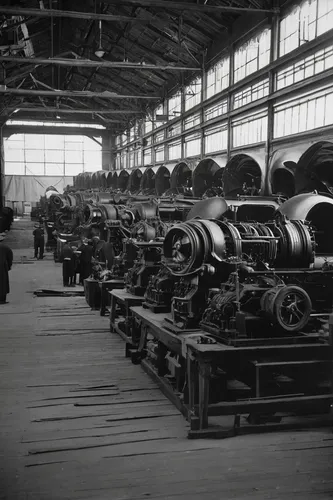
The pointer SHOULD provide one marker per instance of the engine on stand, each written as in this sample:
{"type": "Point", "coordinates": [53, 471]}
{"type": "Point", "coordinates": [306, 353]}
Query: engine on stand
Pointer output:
{"type": "Point", "coordinates": [160, 290]}
{"type": "Point", "coordinates": [269, 272]}
{"type": "Point", "coordinates": [148, 263]}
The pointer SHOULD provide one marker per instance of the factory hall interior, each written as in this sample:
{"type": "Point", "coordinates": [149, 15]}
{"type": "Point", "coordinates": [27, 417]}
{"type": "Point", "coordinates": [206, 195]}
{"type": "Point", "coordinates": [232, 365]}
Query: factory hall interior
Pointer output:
{"type": "Point", "coordinates": [166, 249]}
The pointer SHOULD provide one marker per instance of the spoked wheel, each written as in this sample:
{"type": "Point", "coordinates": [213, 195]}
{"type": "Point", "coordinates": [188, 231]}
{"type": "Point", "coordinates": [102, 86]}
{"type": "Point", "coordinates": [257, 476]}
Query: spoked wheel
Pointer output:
{"type": "Point", "coordinates": [289, 307]}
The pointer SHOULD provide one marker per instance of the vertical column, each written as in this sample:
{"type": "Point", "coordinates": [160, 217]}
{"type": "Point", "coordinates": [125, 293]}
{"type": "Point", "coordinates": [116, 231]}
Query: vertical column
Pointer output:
{"type": "Point", "coordinates": [203, 95]}
{"type": "Point", "coordinates": [231, 82]}
{"type": "Point", "coordinates": [274, 22]}
{"type": "Point", "coordinates": [108, 146]}
{"type": "Point", "coordinates": [182, 123]}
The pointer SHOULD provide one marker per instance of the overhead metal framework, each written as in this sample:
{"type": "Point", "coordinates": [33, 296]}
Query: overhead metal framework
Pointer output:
{"type": "Point", "coordinates": [48, 109]}
{"type": "Point", "coordinates": [17, 11]}
{"type": "Point", "coordinates": [191, 7]}
{"type": "Point", "coordinates": [150, 48]}
{"type": "Point", "coordinates": [87, 63]}
{"type": "Point", "coordinates": [72, 93]}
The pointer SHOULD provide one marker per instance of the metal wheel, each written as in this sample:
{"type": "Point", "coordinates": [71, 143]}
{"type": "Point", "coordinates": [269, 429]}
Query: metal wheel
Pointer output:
{"type": "Point", "coordinates": [287, 306]}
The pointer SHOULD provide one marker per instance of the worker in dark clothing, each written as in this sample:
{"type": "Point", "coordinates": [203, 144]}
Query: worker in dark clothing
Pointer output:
{"type": "Point", "coordinates": [75, 266]}
{"type": "Point", "coordinates": [39, 241]}
{"type": "Point", "coordinates": [6, 260]}
{"type": "Point", "coordinates": [86, 256]}
{"type": "Point", "coordinates": [66, 257]}
{"type": "Point", "coordinates": [105, 254]}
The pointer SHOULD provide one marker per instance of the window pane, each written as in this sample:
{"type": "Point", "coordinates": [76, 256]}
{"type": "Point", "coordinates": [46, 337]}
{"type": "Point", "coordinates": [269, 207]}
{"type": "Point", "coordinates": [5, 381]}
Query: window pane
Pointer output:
{"type": "Point", "coordinates": [73, 156]}
{"type": "Point", "coordinates": [14, 168]}
{"type": "Point", "coordinates": [54, 156]}
{"type": "Point", "coordinates": [34, 141]}
{"type": "Point", "coordinates": [91, 145]}
{"type": "Point", "coordinates": [34, 155]}
{"type": "Point", "coordinates": [54, 169]}
{"type": "Point", "coordinates": [93, 157]}
{"type": "Point", "coordinates": [73, 169]}
{"type": "Point", "coordinates": [35, 169]}
{"type": "Point", "coordinates": [54, 141]}
{"type": "Point", "coordinates": [14, 155]}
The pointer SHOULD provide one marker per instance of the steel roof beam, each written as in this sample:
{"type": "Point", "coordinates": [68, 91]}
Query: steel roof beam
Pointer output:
{"type": "Point", "coordinates": [194, 7]}
{"type": "Point", "coordinates": [72, 93]}
{"type": "Point", "coordinates": [79, 111]}
{"type": "Point", "coordinates": [17, 11]}
{"type": "Point", "coordinates": [87, 63]}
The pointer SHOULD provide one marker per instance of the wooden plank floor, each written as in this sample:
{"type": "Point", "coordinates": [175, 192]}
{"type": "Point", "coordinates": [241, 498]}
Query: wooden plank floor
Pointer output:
{"type": "Point", "coordinates": [79, 421]}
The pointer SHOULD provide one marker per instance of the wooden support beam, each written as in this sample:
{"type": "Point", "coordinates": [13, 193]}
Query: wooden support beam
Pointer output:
{"type": "Point", "coordinates": [73, 94]}
{"type": "Point", "coordinates": [87, 63]}
{"type": "Point", "coordinates": [77, 111]}
{"type": "Point", "coordinates": [194, 7]}
{"type": "Point", "coordinates": [17, 11]}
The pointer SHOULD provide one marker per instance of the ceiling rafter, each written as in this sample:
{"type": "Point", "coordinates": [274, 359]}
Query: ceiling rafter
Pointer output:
{"type": "Point", "coordinates": [127, 84]}
{"type": "Point", "coordinates": [72, 93]}
{"type": "Point", "coordinates": [186, 6]}
{"type": "Point", "coordinates": [55, 13]}
{"type": "Point", "coordinates": [93, 64]}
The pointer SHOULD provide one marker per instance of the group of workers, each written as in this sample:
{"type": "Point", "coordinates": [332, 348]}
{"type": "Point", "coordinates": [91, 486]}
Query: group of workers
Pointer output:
{"type": "Point", "coordinates": [76, 261]}
{"type": "Point", "coordinates": [80, 259]}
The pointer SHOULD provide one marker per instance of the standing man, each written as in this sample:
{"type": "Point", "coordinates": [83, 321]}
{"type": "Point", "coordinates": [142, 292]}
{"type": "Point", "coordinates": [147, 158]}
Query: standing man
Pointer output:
{"type": "Point", "coordinates": [39, 241]}
{"type": "Point", "coordinates": [86, 256]}
{"type": "Point", "coordinates": [66, 257]}
{"type": "Point", "coordinates": [6, 260]}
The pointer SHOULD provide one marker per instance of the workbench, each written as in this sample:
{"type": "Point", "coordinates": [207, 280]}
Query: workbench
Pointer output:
{"type": "Point", "coordinates": [125, 300]}
{"type": "Point", "coordinates": [105, 288]}
{"type": "Point", "coordinates": [200, 359]}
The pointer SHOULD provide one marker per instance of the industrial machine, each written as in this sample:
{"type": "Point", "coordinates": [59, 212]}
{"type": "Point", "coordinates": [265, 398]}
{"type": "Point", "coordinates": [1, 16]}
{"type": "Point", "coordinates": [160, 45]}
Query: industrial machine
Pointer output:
{"type": "Point", "coordinates": [267, 270]}
{"type": "Point", "coordinates": [147, 264]}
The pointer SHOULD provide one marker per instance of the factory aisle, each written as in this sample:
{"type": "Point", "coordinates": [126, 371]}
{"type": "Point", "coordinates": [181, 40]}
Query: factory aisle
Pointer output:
{"type": "Point", "coordinates": [79, 421]}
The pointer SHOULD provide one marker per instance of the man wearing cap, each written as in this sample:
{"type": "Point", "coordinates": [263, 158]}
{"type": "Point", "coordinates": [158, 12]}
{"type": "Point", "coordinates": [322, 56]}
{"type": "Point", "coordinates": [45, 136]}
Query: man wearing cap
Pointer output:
{"type": "Point", "coordinates": [6, 260]}
{"type": "Point", "coordinates": [38, 241]}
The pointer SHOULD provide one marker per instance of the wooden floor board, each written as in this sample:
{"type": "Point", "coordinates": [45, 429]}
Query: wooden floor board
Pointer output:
{"type": "Point", "coordinates": [79, 421]}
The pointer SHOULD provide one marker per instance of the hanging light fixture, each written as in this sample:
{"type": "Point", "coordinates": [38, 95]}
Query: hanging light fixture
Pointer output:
{"type": "Point", "coordinates": [100, 51]}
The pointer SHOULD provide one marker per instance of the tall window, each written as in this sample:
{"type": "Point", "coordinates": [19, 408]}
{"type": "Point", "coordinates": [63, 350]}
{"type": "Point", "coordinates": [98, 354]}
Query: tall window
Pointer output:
{"type": "Point", "coordinates": [123, 159]}
{"type": "Point", "coordinates": [249, 129]}
{"type": "Point", "coordinates": [251, 93]}
{"type": "Point", "coordinates": [147, 156]}
{"type": "Point", "coordinates": [175, 106]}
{"type": "Point", "coordinates": [311, 111]}
{"type": "Point", "coordinates": [325, 16]}
{"type": "Point", "coordinates": [216, 110]}
{"type": "Point", "coordinates": [48, 154]}
{"type": "Point", "coordinates": [193, 93]}
{"type": "Point", "coordinates": [159, 115]}
{"type": "Point", "coordinates": [124, 139]}
{"type": "Point", "coordinates": [193, 144]}
{"type": "Point", "coordinates": [132, 133]}
{"type": "Point", "coordinates": [216, 139]}
{"type": "Point", "coordinates": [137, 155]}
{"type": "Point", "coordinates": [175, 150]}
{"type": "Point", "coordinates": [159, 153]}
{"type": "Point", "coordinates": [305, 22]}
{"type": "Point", "coordinates": [174, 129]}
{"type": "Point", "coordinates": [252, 55]}
{"type": "Point", "coordinates": [131, 158]}
{"type": "Point", "coordinates": [192, 121]}
{"type": "Point", "coordinates": [159, 137]}
{"type": "Point", "coordinates": [218, 77]}
{"type": "Point", "coordinates": [148, 125]}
